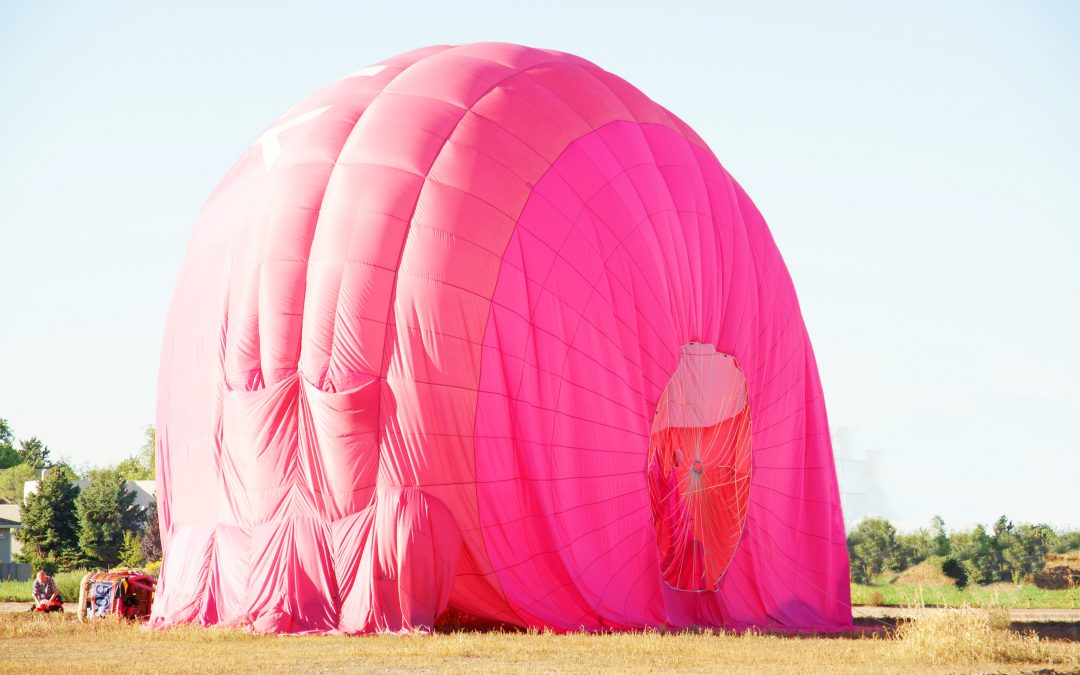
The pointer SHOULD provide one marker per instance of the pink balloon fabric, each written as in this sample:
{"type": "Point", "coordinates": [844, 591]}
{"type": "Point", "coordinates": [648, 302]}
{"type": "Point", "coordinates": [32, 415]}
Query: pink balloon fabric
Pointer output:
{"type": "Point", "coordinates": [415, 357]}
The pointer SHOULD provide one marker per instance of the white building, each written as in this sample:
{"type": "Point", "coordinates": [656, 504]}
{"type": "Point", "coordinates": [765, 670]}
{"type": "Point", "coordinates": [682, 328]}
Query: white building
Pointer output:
{"type": "Point", "coordinates": [143, 489]}
{"type": "Point", "coordinates": [10, 520]}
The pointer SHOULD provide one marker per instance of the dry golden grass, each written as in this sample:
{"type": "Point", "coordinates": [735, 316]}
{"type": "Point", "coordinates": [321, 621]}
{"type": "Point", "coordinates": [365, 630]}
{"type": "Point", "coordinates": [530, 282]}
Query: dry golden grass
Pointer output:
{"type": "Point", "coordinates": [960, 641]}
{"type": "Point", "coordinates": [976, 637]}
{"type": "Point", "coordinates": [926, 573]}
{"type": "Point", "coordinates": [1070, 559]}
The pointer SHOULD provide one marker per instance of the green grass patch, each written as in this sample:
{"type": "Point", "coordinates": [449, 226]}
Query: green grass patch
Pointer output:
{"type": "Point", "coordinates": [879, 593]}
{"type": "Point", "coordinates": [23, 591]}
{"type": "Point", "coordinates": [995, 595]}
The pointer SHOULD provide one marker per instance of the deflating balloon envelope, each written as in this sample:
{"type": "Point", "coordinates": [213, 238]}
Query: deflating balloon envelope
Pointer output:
{"type": "Point", "coordinates": [485, 328]}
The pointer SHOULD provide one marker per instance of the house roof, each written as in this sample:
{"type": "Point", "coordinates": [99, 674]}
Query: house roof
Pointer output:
{"type": "Point", "coordinates": [9, 524]}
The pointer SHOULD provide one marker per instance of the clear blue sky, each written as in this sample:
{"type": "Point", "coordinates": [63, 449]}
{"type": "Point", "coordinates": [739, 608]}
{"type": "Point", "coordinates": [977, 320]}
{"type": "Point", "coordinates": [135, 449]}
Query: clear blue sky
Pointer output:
{"type": "Point", "coordinates": [918, 163]}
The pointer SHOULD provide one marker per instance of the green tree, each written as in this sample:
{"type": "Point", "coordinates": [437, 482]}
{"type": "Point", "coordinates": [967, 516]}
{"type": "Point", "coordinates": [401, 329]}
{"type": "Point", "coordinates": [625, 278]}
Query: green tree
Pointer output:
{"type": "Point", "coordinates": [911, 549]}
{"type": "Point", "coordinates": [976, 552]}
{"type": "Point", "coordinates": [106, 510]}
{"type": "Point", "coordinates": [9, 456]}
{"type": "Point", "coordinates": [954, 569]}
{"type": "Point", "coordinates": [50, 531]}
{"type": "Point", "coordinates": [13, 479]}
{"type": "Point", "coordinates": [33, 452]}
{"type": "Point", "coordinates": [939, 536]}
{"type": "Point", "coordinates": [1067, 541]}
{"type": "Point", "coordinates": [1004, 537]}
{"type": "Point", "coordinates": [1025, 550]}
{"type": "Point", "coordinates": [140, 466]}
{"type": "Point", "coordinates": [131, 554]}
{"type": "Point", "coordinates": [871, 545]}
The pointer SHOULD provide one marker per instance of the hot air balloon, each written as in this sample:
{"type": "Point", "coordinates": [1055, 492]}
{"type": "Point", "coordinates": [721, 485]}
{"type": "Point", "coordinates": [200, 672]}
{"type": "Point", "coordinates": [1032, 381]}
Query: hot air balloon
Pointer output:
{"type": "Point", "coordinates": [483, 328]}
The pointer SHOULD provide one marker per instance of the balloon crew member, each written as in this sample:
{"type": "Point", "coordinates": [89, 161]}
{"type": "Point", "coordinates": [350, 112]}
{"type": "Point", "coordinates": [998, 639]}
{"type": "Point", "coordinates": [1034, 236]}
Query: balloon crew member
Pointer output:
{"type": "Point", "coordinates": [47, 596]}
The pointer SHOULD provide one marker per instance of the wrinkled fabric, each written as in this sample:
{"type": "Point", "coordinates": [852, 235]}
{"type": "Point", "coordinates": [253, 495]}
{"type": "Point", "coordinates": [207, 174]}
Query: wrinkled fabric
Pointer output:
{"type": "Point", "coordinates": [416, 350]}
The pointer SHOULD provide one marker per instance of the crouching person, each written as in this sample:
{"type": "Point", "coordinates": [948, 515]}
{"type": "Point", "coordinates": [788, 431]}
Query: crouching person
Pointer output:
{"type": "Point", "coordinates": [46, 595]}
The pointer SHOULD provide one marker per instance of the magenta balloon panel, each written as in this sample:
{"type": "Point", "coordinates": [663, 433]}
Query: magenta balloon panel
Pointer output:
{"type": "Point", "coordinates": [484, 328]}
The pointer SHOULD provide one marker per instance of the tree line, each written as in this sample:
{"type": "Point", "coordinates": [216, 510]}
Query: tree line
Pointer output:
{"type": "Point", "coordinates": [981, 555]}
{"type": "Point", "coordinates": [65, 528]}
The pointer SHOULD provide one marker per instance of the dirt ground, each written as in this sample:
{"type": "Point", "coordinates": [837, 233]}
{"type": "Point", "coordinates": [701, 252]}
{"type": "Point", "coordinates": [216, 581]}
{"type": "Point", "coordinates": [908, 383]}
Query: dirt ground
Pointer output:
{"type": "Point", "coordinates": [1022, 615]}
{"type": "Point", "coordinates": [23, 606]}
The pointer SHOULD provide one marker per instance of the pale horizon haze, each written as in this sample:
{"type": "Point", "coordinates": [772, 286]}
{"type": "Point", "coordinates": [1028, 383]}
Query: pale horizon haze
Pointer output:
{"type": "Point", "coordinates": [918, 165]}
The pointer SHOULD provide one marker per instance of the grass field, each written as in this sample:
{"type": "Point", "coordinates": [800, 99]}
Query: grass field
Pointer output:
{"type": "Point", "coordinates": [22, 591]}
{"type": "Point", "coordinates": [948, 595]}
{"type": "Point", "coordinates": [891, 594]}
{"type": "Point", "coordinates": [960, 641]}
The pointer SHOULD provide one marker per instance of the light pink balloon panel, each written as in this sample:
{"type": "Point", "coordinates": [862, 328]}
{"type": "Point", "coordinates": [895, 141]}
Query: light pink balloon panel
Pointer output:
{"type": "Point", "coordinates": [484, 328]}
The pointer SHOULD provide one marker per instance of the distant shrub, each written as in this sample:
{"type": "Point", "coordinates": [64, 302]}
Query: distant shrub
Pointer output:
{"type": "Point", "coordinates": [954, 569]}
{"type": "Point", "coordinates": [153, 568]}
{"type": "Point", "coordinates": [870, 545]}
{"type": "Point", "coordinates": [911, 549]}
{"type": "Point", "coordinates": [1003, 552]}
{"type": "Point", "coordinates": [1066, 542]}
{"type": "Point", "coordinates": [131, 553]}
